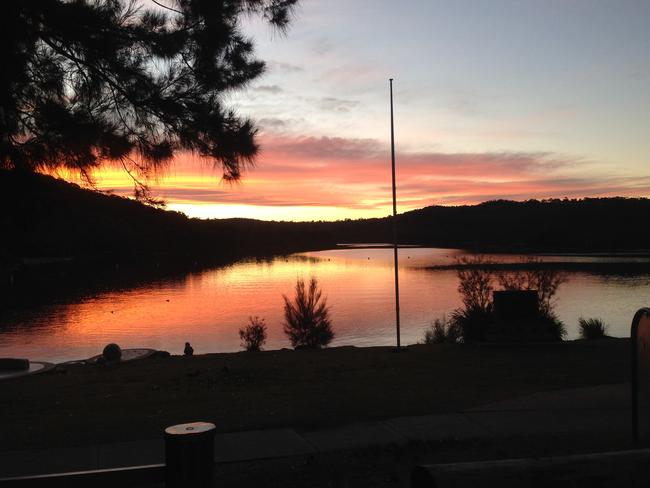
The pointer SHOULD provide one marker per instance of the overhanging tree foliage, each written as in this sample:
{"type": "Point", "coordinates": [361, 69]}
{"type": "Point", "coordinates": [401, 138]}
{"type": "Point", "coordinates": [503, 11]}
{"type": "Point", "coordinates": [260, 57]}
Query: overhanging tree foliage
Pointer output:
{"type": "Point", "coordinates": [84, 82]}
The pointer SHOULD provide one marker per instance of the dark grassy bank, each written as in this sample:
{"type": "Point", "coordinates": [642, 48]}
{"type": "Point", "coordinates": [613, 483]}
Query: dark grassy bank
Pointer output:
{"type": "Point", "coordinates": [304, 389]}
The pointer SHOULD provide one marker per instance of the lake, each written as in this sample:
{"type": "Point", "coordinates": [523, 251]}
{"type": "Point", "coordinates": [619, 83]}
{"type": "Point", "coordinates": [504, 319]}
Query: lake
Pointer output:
{"type": "Point", "coordinates": [207, 308]}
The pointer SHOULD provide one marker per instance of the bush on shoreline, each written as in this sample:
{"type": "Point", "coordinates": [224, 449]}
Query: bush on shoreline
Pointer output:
{"type": "Point", "coordinates": [442, 332]}
{"type": "Point", "coordinates": [253, 335]}
{"type": "Point", "coordinates": [307, 321]}
{"type": "Point", "coordinates": [592, 328]}
{"type": "Point", "coordinates": [477, 320]}
{"type": "Point", "coordinates": [553, 325]}
{"type": "Point", "coordinates": [473, 323]}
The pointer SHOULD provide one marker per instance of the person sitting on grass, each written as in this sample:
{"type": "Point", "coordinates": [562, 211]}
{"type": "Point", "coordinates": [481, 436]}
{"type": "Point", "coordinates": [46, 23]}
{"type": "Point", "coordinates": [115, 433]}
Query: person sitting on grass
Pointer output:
{"type": "Point", "coordinates": [189, 350]}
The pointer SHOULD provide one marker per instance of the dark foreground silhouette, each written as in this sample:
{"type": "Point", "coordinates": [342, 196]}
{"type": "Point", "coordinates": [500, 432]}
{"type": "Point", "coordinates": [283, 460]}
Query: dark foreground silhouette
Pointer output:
{"type": "Point", "coordinates": [275, 389]}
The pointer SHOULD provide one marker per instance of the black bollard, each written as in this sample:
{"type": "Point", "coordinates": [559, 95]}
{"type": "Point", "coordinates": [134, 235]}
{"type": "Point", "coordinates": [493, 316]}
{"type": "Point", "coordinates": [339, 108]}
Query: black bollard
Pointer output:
{"type": "Point", "coordinates": [189, 455]}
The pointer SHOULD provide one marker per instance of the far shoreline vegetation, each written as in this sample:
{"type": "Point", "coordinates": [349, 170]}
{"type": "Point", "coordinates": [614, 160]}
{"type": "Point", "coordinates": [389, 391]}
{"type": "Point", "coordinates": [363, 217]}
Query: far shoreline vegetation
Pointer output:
{"type": "Point", "coordinates": [83, 240]}
{"type": "Point", "coordinates": [50, 218]}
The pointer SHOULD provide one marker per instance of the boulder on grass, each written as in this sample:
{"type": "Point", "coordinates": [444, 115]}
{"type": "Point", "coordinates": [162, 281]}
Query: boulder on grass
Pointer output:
{"type": "Point", "coordinates": [111, 353]}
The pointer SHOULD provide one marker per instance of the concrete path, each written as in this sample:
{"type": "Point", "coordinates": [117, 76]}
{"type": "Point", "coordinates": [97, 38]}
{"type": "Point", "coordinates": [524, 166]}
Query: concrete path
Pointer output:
{"type": "Point", "coordinates": [598, 410]}
{"type": "Point", "coordinates": [586, 412]}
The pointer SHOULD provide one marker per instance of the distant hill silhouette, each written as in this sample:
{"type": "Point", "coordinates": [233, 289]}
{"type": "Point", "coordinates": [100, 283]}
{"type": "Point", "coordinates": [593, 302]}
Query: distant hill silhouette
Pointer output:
{"type": "Point", "coordinates": [567, 225]}
{"type": "Point", "coordinates": [46, 217]}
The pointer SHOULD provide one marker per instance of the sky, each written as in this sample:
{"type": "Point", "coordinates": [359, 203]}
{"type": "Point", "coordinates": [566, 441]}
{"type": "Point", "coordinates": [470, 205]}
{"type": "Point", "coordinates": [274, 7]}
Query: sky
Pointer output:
{"type": "Point", "coordinates": [493, 99]}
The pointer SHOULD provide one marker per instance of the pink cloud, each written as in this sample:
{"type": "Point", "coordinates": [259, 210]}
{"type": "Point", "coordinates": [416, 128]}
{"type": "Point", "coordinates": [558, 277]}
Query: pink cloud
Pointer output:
{"type": "Point", "coordinates": [355, 174]}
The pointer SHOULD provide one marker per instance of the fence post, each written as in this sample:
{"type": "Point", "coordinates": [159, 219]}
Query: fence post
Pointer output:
{"type": "Point", "coordinates": [189, 455]}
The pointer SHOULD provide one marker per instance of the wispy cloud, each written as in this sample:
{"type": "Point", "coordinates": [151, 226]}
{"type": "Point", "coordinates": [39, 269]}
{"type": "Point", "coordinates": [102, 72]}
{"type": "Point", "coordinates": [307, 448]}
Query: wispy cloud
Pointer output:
{"type": "Point", "coordinates": [284, 67]}
{"type": "Point", "coordinates": [272, 89]}
{"type": "Point", "coordinates": [272, 123]}
{"type": "Point", "coordinates": [332, 104]}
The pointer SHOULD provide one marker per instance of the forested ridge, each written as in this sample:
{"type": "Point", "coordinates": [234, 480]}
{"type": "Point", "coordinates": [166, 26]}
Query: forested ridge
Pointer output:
{"type": "Point", "coordinates": [44, 217]}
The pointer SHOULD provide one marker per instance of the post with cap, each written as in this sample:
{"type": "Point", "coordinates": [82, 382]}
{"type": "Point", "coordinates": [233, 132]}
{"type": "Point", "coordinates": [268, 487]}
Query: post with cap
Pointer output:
{"type": "Point", "coordinates": [189, 455]}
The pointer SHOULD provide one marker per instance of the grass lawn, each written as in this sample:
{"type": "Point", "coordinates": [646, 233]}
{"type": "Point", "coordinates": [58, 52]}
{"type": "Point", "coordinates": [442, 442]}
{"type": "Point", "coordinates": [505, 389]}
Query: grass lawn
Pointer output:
{"type": "Point", "coordinates": [76, 405]}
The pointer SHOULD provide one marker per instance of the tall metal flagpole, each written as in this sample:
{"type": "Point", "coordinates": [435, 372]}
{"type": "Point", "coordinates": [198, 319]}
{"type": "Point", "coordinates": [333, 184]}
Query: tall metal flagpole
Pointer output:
{"type": "Point", "coordinates": [395, 259]}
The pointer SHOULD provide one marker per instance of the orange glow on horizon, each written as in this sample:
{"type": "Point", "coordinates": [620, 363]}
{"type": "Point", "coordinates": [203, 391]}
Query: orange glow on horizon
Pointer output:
{"type": "Point", "coordinates": [311, 178]}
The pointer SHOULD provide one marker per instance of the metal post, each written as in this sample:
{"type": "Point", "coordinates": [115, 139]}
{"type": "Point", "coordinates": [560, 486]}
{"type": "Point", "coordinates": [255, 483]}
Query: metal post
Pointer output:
{"type": "Point", "coordinates": [395, 258]}
{"type": "Point", "coordinates": [189, 455]}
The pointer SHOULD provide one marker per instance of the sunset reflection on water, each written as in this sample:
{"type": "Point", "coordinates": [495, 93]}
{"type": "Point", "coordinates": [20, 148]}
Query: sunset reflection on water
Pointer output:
{"type": "Point", "coordinates": [207, 308]}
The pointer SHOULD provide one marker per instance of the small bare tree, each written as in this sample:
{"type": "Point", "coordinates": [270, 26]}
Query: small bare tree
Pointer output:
{"type": "Point", "coordinates": [306, 318]}
{"type": "Point", "coordinates": [441, 331]}
{"type": "Point", "coordinates": [253, 335]}
{"type": "Point", "coordinates": [475, 287]}
{"type": "Point", "coordinates": [537, 277]}
{"type": "Point", "coordinates": [475, 283]}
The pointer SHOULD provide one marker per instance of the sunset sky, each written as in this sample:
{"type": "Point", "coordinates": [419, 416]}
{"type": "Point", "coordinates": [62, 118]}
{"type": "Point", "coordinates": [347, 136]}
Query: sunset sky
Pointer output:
{"type": "Point", "coordinates": [493, 99]}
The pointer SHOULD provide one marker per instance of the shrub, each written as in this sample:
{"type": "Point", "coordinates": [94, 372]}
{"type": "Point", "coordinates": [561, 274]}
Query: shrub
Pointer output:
{"type": "Point", "coordinates": [472, 324]}
{"type": "Point", "coordinates": [253, 335]}
{"type": "Point", "coordinates": [475, 287]}
{"type": "Point", "coordinates": [475, 282]}
{"type": "Point", "coordinates": [306, 318]}
{"type": "Point", "coordinates": [552, 326]}
{"type": "Point", "coordinates": [441, 332]}
{"type": "Point", "coordinates": [592, 328]}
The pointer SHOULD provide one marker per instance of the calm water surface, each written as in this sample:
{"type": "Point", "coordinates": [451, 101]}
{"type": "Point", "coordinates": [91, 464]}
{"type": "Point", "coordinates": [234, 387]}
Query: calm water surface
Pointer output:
{"type": "Point", "coordinates": [207, 308]}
